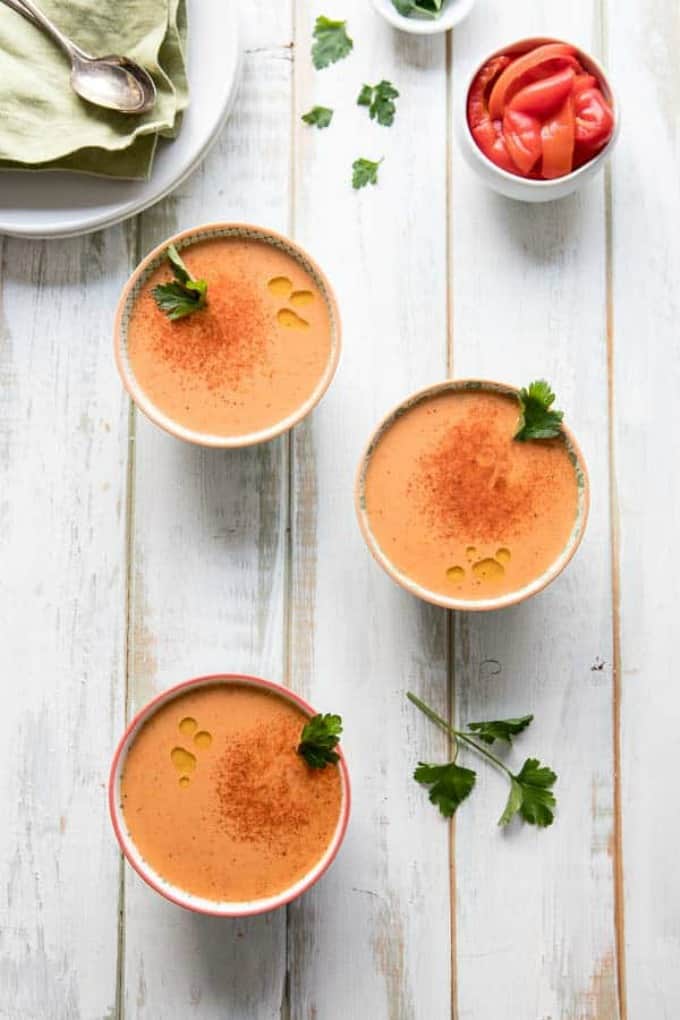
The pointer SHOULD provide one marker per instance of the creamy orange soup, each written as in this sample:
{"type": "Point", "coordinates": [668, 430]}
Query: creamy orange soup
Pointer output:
{"type": "Point", "coordinates": [217, 799]}
{"type": "Point", "coordinates": [459, 506]}
{"type": "Point", "coordinates": [246, 361]}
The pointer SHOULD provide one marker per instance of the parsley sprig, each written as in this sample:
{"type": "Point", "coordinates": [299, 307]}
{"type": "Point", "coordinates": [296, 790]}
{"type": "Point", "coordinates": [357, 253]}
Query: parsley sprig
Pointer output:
{"type": "Point", "coordinates": [364, 171]}
{"type": "Point", "coordinates": [185, 294]}
{"type": "Point", "coordinates": [380, 101]}
{"type": "Point", "coordinates": [531, 793]}
{"type": "Point", "coordinates": [319, 738]}
{"type": "Point", "coordinates": [318, 116]}
{"type": "Point", "coordinates": [331, 42]}
{"type": "Point", "coordinates": [432, 8]}
{"type": "Point", "coordinates": [536, 419]}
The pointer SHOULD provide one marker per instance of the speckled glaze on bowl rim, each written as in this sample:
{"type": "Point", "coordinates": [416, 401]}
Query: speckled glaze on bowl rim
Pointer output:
{"type": "Point", "coordinates": [180, 897]}
{"type": "Point", "coordinates": [438, 598]}
{"type": "Point", "coordinates": [184, 239]}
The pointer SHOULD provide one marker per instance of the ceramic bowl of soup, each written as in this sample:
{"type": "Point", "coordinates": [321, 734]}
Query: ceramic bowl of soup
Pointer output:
{"type": "Point", "coordinates": [213, 805]}
{"type": "Point", "coordinates": [459, 512]}
{"type": "Point", "coordinates": [251, 363]}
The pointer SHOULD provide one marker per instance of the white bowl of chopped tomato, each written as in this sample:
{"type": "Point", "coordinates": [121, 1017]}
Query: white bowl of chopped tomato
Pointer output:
{"type": "Point", "coordinates": [538, 119]}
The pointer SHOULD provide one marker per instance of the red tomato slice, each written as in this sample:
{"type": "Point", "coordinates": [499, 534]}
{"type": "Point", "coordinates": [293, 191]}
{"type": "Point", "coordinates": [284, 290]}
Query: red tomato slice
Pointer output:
{"type": "Point", "coordinates": [511, 78]}
{"type": "Point", "coordinates": [486, 132]}
{"type": "Point", "coordinates": [477, 109]}
{"type": "Point", "coordinates": [523, 139]}
{"type": "Point", "coordinates": [594, 118]}
{"type": "Point", "coordinates": [557, 136]}
{"type": "Point", "coordinates": [491, 141]}
{"type": "Point", "coordinates": [544, 96]}
{"type": "Point", "coordinates": [584, 81]}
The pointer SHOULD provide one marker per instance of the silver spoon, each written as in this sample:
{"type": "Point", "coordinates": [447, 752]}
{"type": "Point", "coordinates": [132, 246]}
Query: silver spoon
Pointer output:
{"type": "Point", "coordinates": [113, 82]}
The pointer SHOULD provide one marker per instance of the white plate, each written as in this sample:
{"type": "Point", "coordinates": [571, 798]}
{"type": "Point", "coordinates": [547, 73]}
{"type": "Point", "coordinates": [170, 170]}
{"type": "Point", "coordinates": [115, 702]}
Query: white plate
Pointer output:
{"type": "Point", "coordinates": [58, 204]}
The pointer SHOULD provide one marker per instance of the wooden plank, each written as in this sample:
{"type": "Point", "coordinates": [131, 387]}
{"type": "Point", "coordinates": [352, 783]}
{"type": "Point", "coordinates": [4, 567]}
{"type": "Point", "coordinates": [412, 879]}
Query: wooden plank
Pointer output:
{"type": "Point", "coordinates": [63, 425]}
{"type": "Point", "coordinates": [208, 571]}
{"type": "Point", "coordinates": [646, 310]}
{"type": "Point", "coordinates": [536, 909]}
{"type": "Point", "coordinates": [372, 939]}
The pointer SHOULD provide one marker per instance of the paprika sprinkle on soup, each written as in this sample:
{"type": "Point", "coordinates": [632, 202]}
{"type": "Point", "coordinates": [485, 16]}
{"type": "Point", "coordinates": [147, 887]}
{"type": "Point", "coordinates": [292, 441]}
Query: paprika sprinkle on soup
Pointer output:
{"type": "Point", "coordinates": [458, 505]}
{"type": "Point", "coordinates": [217, 799]}
{"type": "Point", "coordinates": [229, 336]}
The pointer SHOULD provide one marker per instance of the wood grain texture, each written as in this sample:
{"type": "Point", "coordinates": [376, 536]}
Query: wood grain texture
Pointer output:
{"type": "Point", "coordinates": [208, 572]}
{"type": "Point", "coordinates": [62, 603]}
{"type": "Point", "coordinates": [646, 357]}
{"type": "Point", "coordinates": [372, 939]}
{"type": "Point", "coordinates": [253, 561]}
{"type": "Point", "coordinates": [536, 909]}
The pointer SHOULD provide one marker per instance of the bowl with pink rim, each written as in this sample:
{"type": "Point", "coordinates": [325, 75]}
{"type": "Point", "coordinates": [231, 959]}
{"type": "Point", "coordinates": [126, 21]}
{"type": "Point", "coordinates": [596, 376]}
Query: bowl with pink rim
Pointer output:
{"type": "Point", "coordinates": [392, 514]}
{"type": "Point", "coordinates": [151, 874]}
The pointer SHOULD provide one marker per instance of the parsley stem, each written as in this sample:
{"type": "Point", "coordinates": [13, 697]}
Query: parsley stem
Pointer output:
{"type": "Point", "coordinates": [437, 719]}
{"type": "Point", "coordinates": [483, 750]}
{"type": "Point", "coordinates": [456, 734]}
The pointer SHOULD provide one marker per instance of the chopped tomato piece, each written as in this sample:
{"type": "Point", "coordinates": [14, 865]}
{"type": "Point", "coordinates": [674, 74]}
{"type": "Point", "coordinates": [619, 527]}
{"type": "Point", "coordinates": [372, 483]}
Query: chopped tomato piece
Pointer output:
{"type": "Point", "coordinates": [489, 137]}
{"type": "Point", "coordinates": [594, 118]}
{"type": "Point", "coordinates": [511, 78]}
{"type": "Point", "coordinates": [544, 96]}
{"type": "Point", "coordinates": [584, 81]}
{"type": "Point", "coordinates": [557, 136]}
{"type": "Point", "coordinates": [523, 138]}
{"type": "Point", "coordinates": [487, 133]}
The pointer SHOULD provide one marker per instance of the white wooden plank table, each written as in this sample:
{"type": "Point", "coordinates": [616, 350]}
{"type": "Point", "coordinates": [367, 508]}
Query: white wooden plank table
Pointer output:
{"type": "Point", "coordinates": [129, 561]}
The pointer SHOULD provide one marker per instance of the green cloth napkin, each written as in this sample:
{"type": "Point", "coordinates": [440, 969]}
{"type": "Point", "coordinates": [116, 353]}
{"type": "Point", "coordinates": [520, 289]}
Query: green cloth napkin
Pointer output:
{"type": "Point", "coordinates": [45, 126]}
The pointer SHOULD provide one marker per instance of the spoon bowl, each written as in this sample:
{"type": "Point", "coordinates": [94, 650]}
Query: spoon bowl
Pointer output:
{"type": "Point", "coordinates": [113, 82]}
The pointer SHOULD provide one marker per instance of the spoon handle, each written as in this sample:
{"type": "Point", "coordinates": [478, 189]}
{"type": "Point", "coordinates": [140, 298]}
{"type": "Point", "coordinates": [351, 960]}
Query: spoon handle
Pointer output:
{"type": "Point", "coordinates": [29, 9]}
{"type": "Point", "coordinates": [16, 5]}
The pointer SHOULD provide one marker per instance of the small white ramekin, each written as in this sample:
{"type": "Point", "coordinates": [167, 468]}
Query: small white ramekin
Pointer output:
{"type": "Point", "coordinates": [453, 13]}
{"type": "Point", "coordinates": [181, 897]}
{"type": "Point", "coordinates": [521, 188]}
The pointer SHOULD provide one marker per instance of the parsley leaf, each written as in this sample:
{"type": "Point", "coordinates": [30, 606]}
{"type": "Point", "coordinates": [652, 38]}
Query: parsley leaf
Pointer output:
{"type": "Point", "coordinates": [319, 116]}
{"type": "Point", "coordinates": [531, 795]}
{"type": "Point", "coordinates": [432, 8]}
{"type": "Point", "coordinates": [530, 790]}
{"type": "Point", "coordinates": [332, 42]}
{"type": "Point", "coordinates": [536, 420]}
{"type": "Point", "coordinates": [380, 101]}
{"type": "Point", "coordinates": [449, 784]}
{"type": "Point", "coordinates": [185, 294]}
{"type": "Point", "coordinates": [500, 729]}
{"type": "Point", "coordinates": [319, 738]}
{"type": "Point", "coordinates": [364, 172]}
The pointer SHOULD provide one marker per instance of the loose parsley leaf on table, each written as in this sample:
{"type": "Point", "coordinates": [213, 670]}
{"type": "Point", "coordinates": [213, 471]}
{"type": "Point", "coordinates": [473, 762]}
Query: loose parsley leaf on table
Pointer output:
{"type": "Point", "coordinates": [319, 738]}
{"type": "Point", "coordinates": [319, 116]}
{"type": "Point", "coordinates": [364, 172]}
{"type": "Point", "coordinates": [531, 795]}
{"type": "Point", "coordinates": [449, 784]}
{"type": "Point", "coordinates": [537, 420]}
{"type": "Point", "coordinates": [500, 729]}
{"type": "Point", "coordinates": [331, 42]}
{"type": "Point", "coordinates": [380, 101]}
{"type": "Point", "coordinates": [432, 8]}
{"type": "Point", "coordinates": [530, 789]}
{"type": "Point", "coordinates": [185, 294]}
